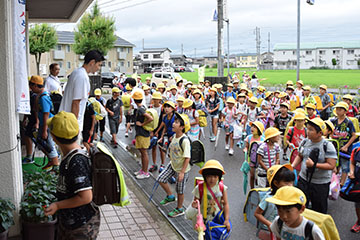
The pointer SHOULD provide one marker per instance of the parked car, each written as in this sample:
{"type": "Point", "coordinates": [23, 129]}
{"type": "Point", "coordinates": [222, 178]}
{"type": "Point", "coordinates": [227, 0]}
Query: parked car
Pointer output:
{"type": "Point", "coordinates": [157, 77]}
{"type": "Point", "coordinates": [189, 69]}
{"type": "Point", "coordinates": [107, 78]}
{"type": "Point", "coordinates": [147, 70]}
{"type": "Point", "coordinates": [157, 69]}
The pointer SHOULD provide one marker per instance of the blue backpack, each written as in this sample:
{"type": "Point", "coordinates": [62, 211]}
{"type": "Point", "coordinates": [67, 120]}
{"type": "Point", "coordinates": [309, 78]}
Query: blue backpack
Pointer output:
{"type": "Point", "coordinates": [351, 190]}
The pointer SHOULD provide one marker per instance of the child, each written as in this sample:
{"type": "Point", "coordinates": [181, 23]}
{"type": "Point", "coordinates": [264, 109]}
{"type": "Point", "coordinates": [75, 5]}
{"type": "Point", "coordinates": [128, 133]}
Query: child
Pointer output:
{"type": "Point", "coordinates": [267, 109]}
{"type": "Point", "coordinates": [180, 102]}
{"type": "Point", "coordinates": [142, 139]}
{"type": "Point", "coordinates": [236, 89]}
{"type": "Point", "coordinates": [290, 202]}
{"type": "Point", "coordinates": [212, 105]}
{"type": "Point", "coordinates": [229, 116]}
{"type": "Point", "coordinates": [113, 107]}
{"type": "Point", "coordinates": [101, 123]}
{"type": "Point", "coordinates": [241, 107]}
{"type": "Point", "coordinates": [173, 94]}
{"type": "Point", "coordinates": [329, 129]}
{"type": "Point", "coordinates": [311, 110]}
{"type": "Point", "coordinates": [146, 89]}
{"type": "Point", "coordinates": [252, 114]}
{"type": "Point", "coordinates": [355, 174]}
{"type": "Point", "coordinates": [88, 126]}
{"type": "Point", "coordinates": [268, 154]}
{"type": "Point", "coordinates": [353, 111]}
{"type": "Point", "coordinates": [278, 176]}
{"type": "Point", "coordinates": [316, 149]}
{"type": "Point", "coordinates": [179, 86]}
{"type": "Point", "coordinates": [156, 99]}
{"type": "Point", "coordinates": [283, 118]}
{"type": "Point", "coordinates": [345, 134]}
{"type": "Point", "coordinates": [77, 216]}
{"type": "Point", "coordinates": [179, 166]}
{"type": "Point", "coordinates": [257, 129]}
{"type": "Point", "coordinates": [44, 112]}
{"type": "Point", "coordinates": [207, 88]}
{"type": "Point", "coordinates": [290, 91]}
{"type": "Point", "coordinates": [212, 173]}
{"type": "Point", "coordinates": [229, 92]}
{"type": "Point", "coordinates": [161, 88]}
{"type": "Point", "coordinates": [193, 116]}
{"type": "Point", "coordinates": [128, 109]}
{"type": "Point", "coordinates": [299, 90]}
{"type": "Point", "coordinates": [326, 103]}
{"type": "Point", "coordinates": [308, 98]}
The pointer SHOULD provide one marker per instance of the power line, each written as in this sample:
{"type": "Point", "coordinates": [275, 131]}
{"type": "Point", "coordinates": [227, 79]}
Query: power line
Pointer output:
{"type": "Point", "coordinates": [130, 6]}
{"type": "Point", "coordinates": [113, 3]}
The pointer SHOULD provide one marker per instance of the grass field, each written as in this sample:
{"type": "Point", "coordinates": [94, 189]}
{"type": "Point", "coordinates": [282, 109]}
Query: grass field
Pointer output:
{"type": "Point", "coordinates": [332, 78]}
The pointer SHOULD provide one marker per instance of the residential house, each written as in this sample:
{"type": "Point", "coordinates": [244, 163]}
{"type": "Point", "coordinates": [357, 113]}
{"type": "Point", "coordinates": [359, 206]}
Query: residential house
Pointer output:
{"type": "Point", "coordinates": [179, 59]}
{"type": "Point", "coordinates": [119, 58]}
{"type": "Point", "coordinates": [267, 61]}
{"type": "Point", "coordinates": [155, 57]}
{"type": "Point", "coordinates": [339, 55]}
{"type": "Point", "coordinates": [211, 61]}
{"type": "Point", "coordinates": [244, 60]}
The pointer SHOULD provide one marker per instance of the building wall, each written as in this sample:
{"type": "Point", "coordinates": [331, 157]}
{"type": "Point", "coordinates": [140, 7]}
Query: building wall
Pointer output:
{"type": "Point", "coordinates": [246, 61]}
{"type": "Point", "coordinates": [164, 56]}
{"type": "Point", "coordinates": [120, 58]}
{"type": "Point", "coordinates": [321, 57]}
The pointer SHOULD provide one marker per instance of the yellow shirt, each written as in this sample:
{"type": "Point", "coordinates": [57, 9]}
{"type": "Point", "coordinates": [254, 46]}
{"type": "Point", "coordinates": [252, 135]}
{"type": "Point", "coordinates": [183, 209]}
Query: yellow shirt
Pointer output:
{"type": "Point", "coordinates": [178, 154]}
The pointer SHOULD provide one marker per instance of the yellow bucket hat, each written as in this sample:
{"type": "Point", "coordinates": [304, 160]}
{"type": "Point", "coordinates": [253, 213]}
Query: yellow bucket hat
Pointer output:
{"type": "Point", "coordinates": [318, 122]}
{"type": "Point", "coordinates": [348, 96]}
{"type": "Point", "coordinates": [271, 132]}
{"type": "Point", "coordinates": [342, 105]}
{"type": "Point", "coordinates": [231, 100]}
{"type": "Point", "coordinates": [137, 96]}
{"type": "Point", "coordinates": [271, 172]}
{"type": "Point", "coordinates": [180, 99]}
{"type": "Point", "coordinates": [170, 103]}
{"type": "Point", "coordinates": [187, 103]}
{"type": "Point", "coordinates": [97, 92]}
{"type": "Point", "coordinates": [157, 95]}
{"type": "Point", "coordinates": [259, 126]}
{"type": "Point", "coordinates": [212, 164]}
{"type": "Point", "coordinates": [186, 120]}
{"type": "Point", "coordinates": [115, 90]}
{"type": "Point", "coordinates": [310, 105]}
{"type": "Point", "coordinates": [253, 100]}
{"type": "Point", "coordinates": [63, 125]}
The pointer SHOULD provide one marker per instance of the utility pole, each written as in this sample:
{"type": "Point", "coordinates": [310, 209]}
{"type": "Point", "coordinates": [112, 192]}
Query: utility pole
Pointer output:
{"type": "Point", "coordinates": [228, 47]}
{"type": "Point", "coordinates": [268, 42]}
{"type": "Point", "coordinates": [220, 19]}
{"type": "Point", "coordinates": [182, 49]}
{"type": "Point", "coordinates": [298, 43]}
{"type": "Point", "coordinates": [257, 32]}
{"type": "Point", "coordinates": [195, 52]}
{"type": "Point", "coordinates": [143, 43]}
{"type": "Point", "coordinates": [212, 51]}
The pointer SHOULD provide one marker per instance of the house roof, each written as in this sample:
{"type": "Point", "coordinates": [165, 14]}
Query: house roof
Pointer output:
{"type": "Point", "coordinates": [242, 54]}
{"type": "Point", "coordinates": [316, 45]}
{"type": "Point", "coordinates": [67, 37]}
{"type": "Point", "coordinates": [177, 56]}
{"type": "Point", "coordinates": [151, 50]}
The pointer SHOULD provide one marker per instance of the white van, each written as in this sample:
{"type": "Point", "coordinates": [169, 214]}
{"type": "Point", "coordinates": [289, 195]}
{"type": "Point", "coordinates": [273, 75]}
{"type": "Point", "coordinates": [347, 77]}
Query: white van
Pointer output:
{"type": "Point", "coordinates": [157, 77]}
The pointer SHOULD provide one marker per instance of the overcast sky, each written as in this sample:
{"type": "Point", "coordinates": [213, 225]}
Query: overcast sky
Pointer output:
{"type": "Point", "coordinates": [170, 23]}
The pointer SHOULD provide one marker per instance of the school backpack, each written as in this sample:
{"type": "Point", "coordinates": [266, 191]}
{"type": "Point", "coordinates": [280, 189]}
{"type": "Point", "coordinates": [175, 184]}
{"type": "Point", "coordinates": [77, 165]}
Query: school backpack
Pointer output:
{"type": "Point", "coordinates": [202, 118]}
{"type": "Point", "coordinates": [351, 190]}
{"type": "Point", "coordinates": [151, 126]}
{"type": "Point", "coordinates": [252, 156]}
{"type": "Point", "coordinates": [197, 151]}
{"type": "Point", "coordinates": [126, 99]}
{"type": "Point", "coordinates": [99, 109]}
{"type": "Point", "coordinates": [252, 201]}
{"type": "Point", "coordinates": [290, 132]}
{"type": "Point", "coordinates": [56, 98]}
{"type": "Point", "coordinates": [52, 109]}
{"type": "Point", "coordinates": [108, 183]}
{"type": "Point", "coordinates": [319, 105]}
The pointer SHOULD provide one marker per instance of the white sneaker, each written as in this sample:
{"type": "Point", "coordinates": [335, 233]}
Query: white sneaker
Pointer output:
{"type": "Point", "coordinates": [143, 175]}
{"type": "Point", "coordinates": [138, 172]}
{"type": "Point", "coordinates": [126, 134]}
{"type": "Point", "coordinates": [227, 147]}
{"type": "Point", "coordinates": [231, 151]}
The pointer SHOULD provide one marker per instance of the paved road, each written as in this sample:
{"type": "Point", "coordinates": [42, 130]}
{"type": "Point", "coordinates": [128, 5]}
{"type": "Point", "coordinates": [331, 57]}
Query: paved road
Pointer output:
{"type": "Point", "coordinates": [342, 211]}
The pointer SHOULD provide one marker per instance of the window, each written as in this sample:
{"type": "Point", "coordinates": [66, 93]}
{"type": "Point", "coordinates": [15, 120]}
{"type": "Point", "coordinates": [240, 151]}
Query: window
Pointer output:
{"type": "Point", "coordinates": [253, 58]}
{"type": "Point", "coordinates": [308, 52]}
{"type": "Point", "coordinates": [157, 56]}
{"type": "Point", "coordinates": [146, 56]}
{"type": "Point", "coordinates": [294, 52]}
{"type": "Point", "coordinates": [122, 64]}
{"type": "Point", "coordinates": [58, 47]}
{"type": "Point", "coordinates": [68, 48]}
{"type": "Point", "coordinates": [336, 52]}
{"type": "Point", "coordinates": [167, 75]}
{"type": "Point", "coordinates": [244, 58]}
{"type": "Point", "coordinates": [128, 64]}
{"type": "Point", "coordinates": [322, 52]}
{"type": "Point", "coordinates": [68, 65]}
{"type": "Point", "coordinates": [109, 64]}
{"type": "Point", "coordinates": [157, 75]}
{"type": "Point", "coordinates": [351, 51]}
{"type": "Point", "coordinates": [284, 52]}
{"type": "Point", "coordinates": [60, 64]}
{"type": "Point", "coordinates": [128, 50]}
{"type": "Point", "coordinates": [120, 49]}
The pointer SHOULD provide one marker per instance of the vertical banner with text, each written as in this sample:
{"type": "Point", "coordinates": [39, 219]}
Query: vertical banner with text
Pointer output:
{"type": "Point", "coordinates": [201, 73]}
{"type": "Point", "coordinates": [22, 99]}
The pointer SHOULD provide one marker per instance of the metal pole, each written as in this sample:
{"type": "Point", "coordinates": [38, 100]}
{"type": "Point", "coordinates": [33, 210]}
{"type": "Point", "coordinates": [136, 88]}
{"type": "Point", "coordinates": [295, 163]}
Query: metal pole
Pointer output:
{"type": "Point", "coordinates": [220, 67]}
{"type": "Point", "coordinates": [228, 47]}
{"type": "Point", "coordinates": [298, 43]}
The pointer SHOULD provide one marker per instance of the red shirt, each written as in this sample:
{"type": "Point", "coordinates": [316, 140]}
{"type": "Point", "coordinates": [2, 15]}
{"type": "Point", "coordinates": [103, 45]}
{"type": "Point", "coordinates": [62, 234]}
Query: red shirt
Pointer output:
{"type": "Point", "coordinates": [297, 136]}
{"type": "Point", "coordinates": [352, 112]}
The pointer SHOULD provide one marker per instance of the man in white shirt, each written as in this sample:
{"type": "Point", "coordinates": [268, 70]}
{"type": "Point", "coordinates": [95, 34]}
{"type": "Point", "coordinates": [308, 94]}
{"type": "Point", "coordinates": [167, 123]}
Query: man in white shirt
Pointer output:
{"type": "Point", "coordinates": [52, 82]}
{"type": "Point", "coordinates": [78, 86]}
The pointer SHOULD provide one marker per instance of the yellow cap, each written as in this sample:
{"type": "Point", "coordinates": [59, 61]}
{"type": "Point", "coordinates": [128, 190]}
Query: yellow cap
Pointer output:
{"type": "Point", "coordinates": [145, 87]}
{"type": "Point", "coordinates": [148, 78]}
{"type": "Point", "coordinates": [160, 85]}
{"type": "Point", "coordinates": [323, 87]}
{"type": "Point", "coordinates": [271, 172]}
{"type": "Point", "coordinates": [307, 88]}
{"type": "Point", "coordinates": [157, 95]}
{"type": "Point", "coordinates": [199, 86]}
{"type": "Point", "coordinates": [285, 105]}
{"type": "Point", "coordinates": [241, 95]}
{"type": "Point", "coordinates": [318, 122]}
{"type": "Point", "coordinates": [330, 125]}
{"type": "Point", "coordinates": [290, 87]}
{"type": "Point", "coordinates": [231, 100]}
{"type": "Point", "coordinates": [201, 80]}
{"type": "Point", "coordinates": [236, 81]}
{"type": "Point", "coordinates": [212, 164]}
{"type": "Point", "coordinates": [299, 110]}
{"type": "Point", "coordinates": [97, 92]}
{"type": "Point", "coordinates": [37, 80]}
{"type": "Point", "coordinates": [137, 96]}
{"type": "Point", "coordinates": [64, 125]}
{"type": "Point", "coordinates": [348, 96]}
{"type": "Point", "coordinates": [179, 79]}
{"type": "Point", "coordinates": [342, 105]}
{"type": "Point", "coordinates": [230, 85]}
{"type": "Point", "coordinates": [170, 103]}
{"type": "Point", "coordinates": [301, 82]}
{"type": "Point", "coordinates": [186, 120]}
{"type": "Point", "coordinates": [187, 103]}
{"type": "Point", "coordinates": [282, 94]}
{"type": "Point", "coordinates": [180, 99]}
{"type": "Point", "coordinates": [197, 91]}
{"type": "Point", "coordinates": [213, 89]}
{"type": "Point", "coordinates": [128, 87]}
{"type": "Point", "coordinates": [299, 116]}
{"type": "Point", "coordinates": [271, 132]}
{"type": "Point", "coordinates": [253, 100]}
{"type": "Point", "coordinates": [219, 85]}
{"type": "Point", "coordinates": [194, 87]}
{"type": "Point", "coordinates": [115, 90]}
{"type": "Point", "coordinates": [289, 82]}
{"type": "Point", "coordinates": [188, 83]}
{"type": "Point", "coordinates": [288, 195]}
{"type": "Point", "coordinates": [267, 94]}
{"type": "Point", "coordinates": [173, 87]}
{"type": "Point", "coordinates": [259, 126]}
{"type": "Point", "coordinates": [310, 105]}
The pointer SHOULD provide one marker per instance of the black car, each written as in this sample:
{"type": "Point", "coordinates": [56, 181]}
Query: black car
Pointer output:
{"type": "Point", "coordinates": [147, 70]}
{"type": "Point", "coordinates": [107, 79]}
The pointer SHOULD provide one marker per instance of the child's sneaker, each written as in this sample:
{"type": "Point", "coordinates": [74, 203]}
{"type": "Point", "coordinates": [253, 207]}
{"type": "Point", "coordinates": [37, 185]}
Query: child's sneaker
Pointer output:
{"type": "Point", "coordinates": [213, 139]}
{"type": "Point", "coordinates": [126, 134]}
{"type": "Point", "coordinates": [102, 139]}
{"type": "Point", "coordinates": [176, 212]}
{"type": "Point", "coordinates": [143, 175]}
{"type": "Point", "coordinates": [153, 168]}
{"type": "Point", "coordinates": [231, 151]}
{"type": "Point", "coordinates": [138, 172]}
{"type": "Point", "coordinates": [27, 160]}
{"type": "Point", "coordinates": [356, 228]}
{"type": "Point", "coordinates": [227, 147]}
{"type": "Point", "coordinates": [168, 200]}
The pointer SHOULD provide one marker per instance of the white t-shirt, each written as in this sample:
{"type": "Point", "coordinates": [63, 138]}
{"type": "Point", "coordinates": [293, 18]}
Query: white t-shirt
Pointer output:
{"type": "Point", "coordinates": [77, 88]}
{"type": "Point", "coordinates": [52, 83]}
{"type": "Point", "coordinates": [254, 83]}
{"type": "Point", "coordinates": [148, 100]}
{"type": "Point", "coordinates": [136, 89]}
{"type": "Point", "coordinates": [295, 233]}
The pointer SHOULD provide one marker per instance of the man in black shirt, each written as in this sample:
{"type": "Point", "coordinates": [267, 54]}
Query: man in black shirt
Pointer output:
{"type": "Point", "coordinates": [78, 217]}
{"type": "Point", "coordinates": [113, 107]}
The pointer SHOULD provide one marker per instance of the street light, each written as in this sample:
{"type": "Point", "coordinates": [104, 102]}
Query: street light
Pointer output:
{"type": "Point", "coordinates": [310, 2]}
{"type": "Point", "coordinates": [228, 46]}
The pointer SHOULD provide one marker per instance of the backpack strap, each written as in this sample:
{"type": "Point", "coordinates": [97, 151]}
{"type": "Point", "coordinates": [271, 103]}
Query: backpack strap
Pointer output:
{"type": "Point", "coordinates": [72, 154]}
{"type": "Point", "coordinates": [308, 230]}
{"type": "Point", "coordinates": [291, 133]}
{"type": "Point", "coordinates": [280, 224]}
{"type": "Point", "coordinates": [181, 141]}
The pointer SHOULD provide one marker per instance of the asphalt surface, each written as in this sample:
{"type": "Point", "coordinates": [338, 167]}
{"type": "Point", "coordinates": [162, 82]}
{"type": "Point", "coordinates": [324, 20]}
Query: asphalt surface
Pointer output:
{"type": "Point", "coordinates": [343, 212]}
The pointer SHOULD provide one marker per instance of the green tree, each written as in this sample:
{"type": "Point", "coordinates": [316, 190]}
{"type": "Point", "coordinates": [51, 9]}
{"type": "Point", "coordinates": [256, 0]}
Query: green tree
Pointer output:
{"type": "Point", "coordinates": [334, 62]}
{"type": "Point", "coordinates": [42, 38]}
{"type": "Point", "coordinates": [94, 32]}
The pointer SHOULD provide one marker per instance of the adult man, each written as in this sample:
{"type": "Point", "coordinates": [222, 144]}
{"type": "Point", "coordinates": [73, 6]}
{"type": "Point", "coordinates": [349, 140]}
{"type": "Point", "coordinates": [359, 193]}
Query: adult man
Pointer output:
{"type": "Point", "coordinates": [52, 82]}
{"type": "Point", "coordinates": [78, 86]}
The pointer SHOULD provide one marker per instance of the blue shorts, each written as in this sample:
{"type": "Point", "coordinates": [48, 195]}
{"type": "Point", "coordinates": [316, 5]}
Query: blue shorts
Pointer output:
{"type": "Point", "coordinates": [229, 130]}
{"type": "Point", "coordinates": [50, 142]}
{"type": "Point", "coordinates": [345, 165]}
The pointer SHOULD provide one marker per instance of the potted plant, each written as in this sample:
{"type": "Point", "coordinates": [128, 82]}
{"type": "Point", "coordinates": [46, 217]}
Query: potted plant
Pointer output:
{"type": "Point", "coordinates": [6, 217]}
{"type": "Point", "coordinates": [40, 189]}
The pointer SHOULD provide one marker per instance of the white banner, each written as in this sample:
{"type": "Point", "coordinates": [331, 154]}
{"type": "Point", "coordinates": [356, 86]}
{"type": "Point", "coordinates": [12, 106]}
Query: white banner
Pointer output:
{"type": "Point", "coordinates": [22, 98]}
{"type": "Point", "coordinates": [201, 73]}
